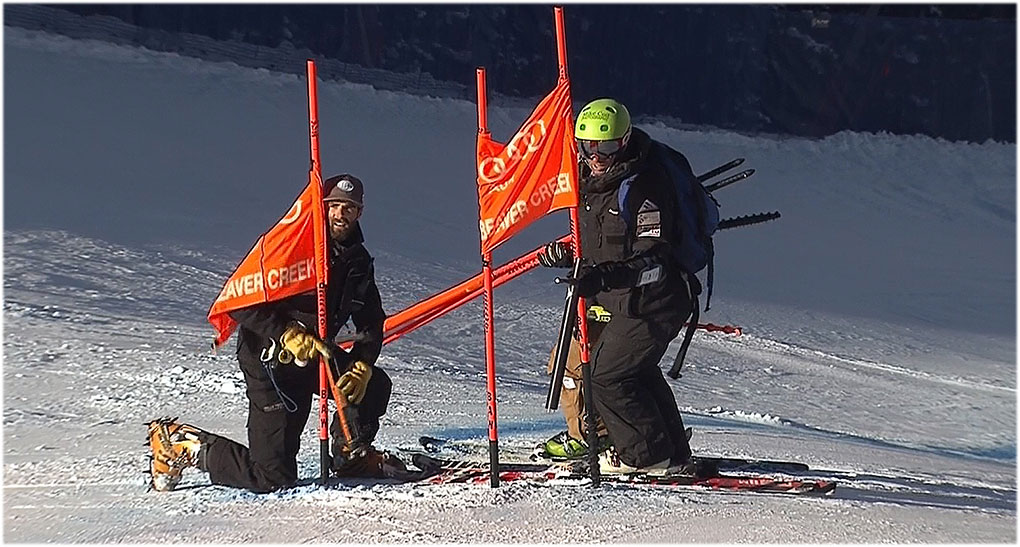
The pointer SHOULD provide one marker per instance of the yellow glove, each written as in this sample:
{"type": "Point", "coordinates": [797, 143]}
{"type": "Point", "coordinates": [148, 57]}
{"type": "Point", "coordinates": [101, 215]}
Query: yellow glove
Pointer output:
{"type": "Point", "coordinates": [303, 345]}
{"type": "Point", "coordinates": [354, 382]}
{"type": "Point", "coordinates": [599, 314]}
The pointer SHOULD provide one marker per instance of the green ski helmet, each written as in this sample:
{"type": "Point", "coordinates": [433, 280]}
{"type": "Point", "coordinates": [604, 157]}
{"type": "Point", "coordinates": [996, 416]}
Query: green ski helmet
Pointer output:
{"type": "Point", "coordinates": [602, 120]}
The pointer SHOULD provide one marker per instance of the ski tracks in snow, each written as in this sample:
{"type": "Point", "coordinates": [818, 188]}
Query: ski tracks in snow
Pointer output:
{"type": "Point", "coordinates": [821, 392]}
{"type": "Point", "coordinates": [792, 349]}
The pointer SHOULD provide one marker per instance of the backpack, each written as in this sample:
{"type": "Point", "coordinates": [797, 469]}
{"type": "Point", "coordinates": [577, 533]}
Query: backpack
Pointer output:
{"type": "Point", "coordinates": [696, 221]}
{"type": "Point", "coordinates": [697, 216]}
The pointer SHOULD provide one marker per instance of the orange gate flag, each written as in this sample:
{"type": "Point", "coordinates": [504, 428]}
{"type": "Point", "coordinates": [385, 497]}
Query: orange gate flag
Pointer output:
{"type": "Point", "coordinates": [281, 264]}
{"type": "Point", "coordinates": [533, 175]}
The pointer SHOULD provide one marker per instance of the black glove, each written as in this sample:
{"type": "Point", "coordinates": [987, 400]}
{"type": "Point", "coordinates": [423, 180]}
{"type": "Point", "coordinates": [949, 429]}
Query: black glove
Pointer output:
{"type": "Point", "coordinates": [589, 281]}
{"type": "Point", "coordinates": [556, 255]}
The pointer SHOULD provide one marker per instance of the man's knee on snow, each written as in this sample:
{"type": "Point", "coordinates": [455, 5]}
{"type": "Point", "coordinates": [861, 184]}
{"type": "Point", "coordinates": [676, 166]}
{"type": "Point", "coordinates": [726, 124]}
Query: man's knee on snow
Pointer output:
{"type": "Point", "coordinates": [273, 476]}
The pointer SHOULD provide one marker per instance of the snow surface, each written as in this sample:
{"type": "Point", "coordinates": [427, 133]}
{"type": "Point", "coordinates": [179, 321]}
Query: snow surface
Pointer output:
{"type": "Point", "coordinates": [879, 317]}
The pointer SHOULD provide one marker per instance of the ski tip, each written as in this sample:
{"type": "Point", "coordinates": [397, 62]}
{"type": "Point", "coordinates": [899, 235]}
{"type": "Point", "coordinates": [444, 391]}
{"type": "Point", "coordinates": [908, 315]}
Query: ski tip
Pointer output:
{"type": "Point", "coordinates": [426, 463]}
{"type": "Point", "coordinates": [825, 487]}
{"type": "Point", "coordinates": [430, 444]}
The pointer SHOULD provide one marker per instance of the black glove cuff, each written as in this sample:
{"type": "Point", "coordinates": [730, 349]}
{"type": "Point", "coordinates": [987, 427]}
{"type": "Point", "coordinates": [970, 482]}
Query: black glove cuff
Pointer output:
{"type": "Point", "coordinates": [556, 255]}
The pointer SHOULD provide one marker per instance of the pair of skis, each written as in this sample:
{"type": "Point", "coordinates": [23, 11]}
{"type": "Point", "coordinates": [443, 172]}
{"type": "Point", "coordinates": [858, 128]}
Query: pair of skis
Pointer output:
{"type": "Point", "coordinates": [466, 449]}
{"type": "Point", "coordinates": [733, 474]}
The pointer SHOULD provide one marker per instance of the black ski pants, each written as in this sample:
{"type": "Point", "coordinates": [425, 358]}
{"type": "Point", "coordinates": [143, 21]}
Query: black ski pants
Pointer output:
{"type": "Point", "coordinates": [631, 394]}
{"type": "Point", "coordinates": [276, 420]}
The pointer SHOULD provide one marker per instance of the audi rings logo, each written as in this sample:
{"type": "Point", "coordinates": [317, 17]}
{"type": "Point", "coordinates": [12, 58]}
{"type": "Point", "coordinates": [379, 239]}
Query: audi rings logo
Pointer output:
{"type": "Point", "coordinates": [526, 141]}
{"type": "Point", "coordinates": [491, 169]}
{"type": "Point", "coordinates": [345, 185]}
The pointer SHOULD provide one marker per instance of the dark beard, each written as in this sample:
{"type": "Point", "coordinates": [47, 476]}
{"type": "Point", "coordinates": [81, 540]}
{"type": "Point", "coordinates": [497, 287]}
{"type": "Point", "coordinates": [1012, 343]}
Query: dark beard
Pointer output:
{"type": "Point", "coordinates": [340, 234]}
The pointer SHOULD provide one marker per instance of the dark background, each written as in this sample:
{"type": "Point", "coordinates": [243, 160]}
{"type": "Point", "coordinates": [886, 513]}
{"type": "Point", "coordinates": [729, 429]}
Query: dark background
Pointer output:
{"type": "Point", "coordinates": [941, 70]}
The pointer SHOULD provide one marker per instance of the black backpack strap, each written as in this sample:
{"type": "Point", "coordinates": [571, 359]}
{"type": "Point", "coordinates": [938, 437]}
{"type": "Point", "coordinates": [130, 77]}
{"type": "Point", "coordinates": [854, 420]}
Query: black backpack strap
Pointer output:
{"type": "Point", "coordinates": [711, 273]}
{"type": "Point", "coordinates": [678, 363]}
{"type": "Point", "coordinates": [706, 239]}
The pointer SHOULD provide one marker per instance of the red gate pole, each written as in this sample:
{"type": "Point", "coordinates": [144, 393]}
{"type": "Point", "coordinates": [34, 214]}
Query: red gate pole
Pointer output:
{"type": "Point", "coordinates": [321, 265]}
{"type": "Point", "coordinates": [490, 338]}
{"type": "Point", "coordinates": [589, 403]}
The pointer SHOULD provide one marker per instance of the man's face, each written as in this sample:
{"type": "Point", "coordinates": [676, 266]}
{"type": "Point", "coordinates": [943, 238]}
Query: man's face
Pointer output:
{"type": "Point", "coordinates": [599, 164]}
{"type": "Point", "coordinates": [601, 155]}
{"type": "Point", "coordinates": [341, 216]}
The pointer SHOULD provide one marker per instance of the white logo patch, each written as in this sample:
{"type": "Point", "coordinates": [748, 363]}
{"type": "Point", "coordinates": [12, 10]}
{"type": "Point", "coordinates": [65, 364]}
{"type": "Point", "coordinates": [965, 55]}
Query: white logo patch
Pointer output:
{"type": "Point", "coordinates": [649, 224]}
{"type": "Point", "coordinates": [650, 275]}
{"type": "Point", "coordinates": [644, 219]}
{"type": "Point", "coordinates": [648, 206]}
{"type": "Point", "coordinates": [345, 185]}
{"type": "Point", "coordinates": [613, 212]}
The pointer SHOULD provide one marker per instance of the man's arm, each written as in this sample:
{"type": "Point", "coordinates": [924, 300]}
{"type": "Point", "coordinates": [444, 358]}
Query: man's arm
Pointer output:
{"type": "Point", "coordinates": [650, 222]}
{"type": "Point", "coordinates": [263, 319]}
{"type": "Point", "coordinates": [368, 321]}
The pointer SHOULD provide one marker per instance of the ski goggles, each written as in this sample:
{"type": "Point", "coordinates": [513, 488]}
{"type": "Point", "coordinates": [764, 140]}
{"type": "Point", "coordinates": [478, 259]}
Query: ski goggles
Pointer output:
{"type": "Point", "coordinates": [601, 148]}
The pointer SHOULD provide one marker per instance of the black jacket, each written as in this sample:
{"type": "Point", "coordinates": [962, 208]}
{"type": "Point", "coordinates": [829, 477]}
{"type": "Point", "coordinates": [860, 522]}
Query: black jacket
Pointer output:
{"type": "Point", "coordinates": [351, 294]}
{"type": "Point", "coordinates": [633, 247]}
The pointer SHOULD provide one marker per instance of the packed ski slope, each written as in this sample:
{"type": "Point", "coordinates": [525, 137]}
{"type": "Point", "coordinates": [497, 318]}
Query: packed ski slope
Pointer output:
{"type": "Point", "coordinates": [878, 315]}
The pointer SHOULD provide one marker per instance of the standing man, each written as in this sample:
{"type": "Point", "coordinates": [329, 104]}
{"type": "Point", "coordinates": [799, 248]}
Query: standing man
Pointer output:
{"type": "Point", "coordinates": [630, 272]}
{"type": "Point", "coordinates": [278, 352]}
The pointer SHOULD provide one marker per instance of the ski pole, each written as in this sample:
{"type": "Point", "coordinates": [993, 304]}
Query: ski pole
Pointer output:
{"type": "Point", "coordinates": [552, 400]}
{"type": "Point", "coordinates": [590, 423]}
{"type": "Point", "coordinates": [345, 413]}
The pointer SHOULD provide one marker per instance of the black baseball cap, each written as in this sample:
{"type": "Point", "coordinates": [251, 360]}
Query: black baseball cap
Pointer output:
{"type": "Point", "coordinates": [345, 187]}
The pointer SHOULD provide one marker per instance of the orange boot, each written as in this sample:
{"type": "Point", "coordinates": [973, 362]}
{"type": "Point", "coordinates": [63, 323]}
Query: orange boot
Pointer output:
{"type": "Point", "coordinates": [175, 447]}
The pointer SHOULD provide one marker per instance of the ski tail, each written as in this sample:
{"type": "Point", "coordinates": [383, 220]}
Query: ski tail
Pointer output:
{"type": "Point", "coordinates": [720, 170]}
{"type": "Point", "coordinates": [729, 180]}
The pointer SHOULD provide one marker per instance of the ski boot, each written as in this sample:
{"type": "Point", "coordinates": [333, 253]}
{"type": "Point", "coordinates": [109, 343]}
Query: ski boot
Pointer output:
{"type": "Point", "coordinates": [174, 447]}
{"type": "Point", "coordinates": [698, 467]}
{"type": "Point", "coordinates": [367, 462]}
{"type": "Point", "coordinates": [610, 463]}
{"type": "Point", "coordinates": [564, 447]}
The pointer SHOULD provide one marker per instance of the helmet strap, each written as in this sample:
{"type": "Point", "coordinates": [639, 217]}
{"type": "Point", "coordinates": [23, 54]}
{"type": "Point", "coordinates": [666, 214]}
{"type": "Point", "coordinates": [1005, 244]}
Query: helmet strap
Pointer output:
{"type": "Point", "coordinates": [626, 139]}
